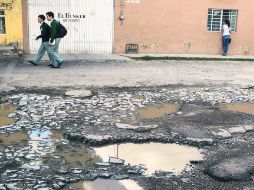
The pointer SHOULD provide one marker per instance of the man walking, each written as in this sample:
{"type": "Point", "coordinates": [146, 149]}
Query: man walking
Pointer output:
{"type": "Point", "coordinates": [55, 36]}
{"type": "Point", "coordinates": [45, 35]}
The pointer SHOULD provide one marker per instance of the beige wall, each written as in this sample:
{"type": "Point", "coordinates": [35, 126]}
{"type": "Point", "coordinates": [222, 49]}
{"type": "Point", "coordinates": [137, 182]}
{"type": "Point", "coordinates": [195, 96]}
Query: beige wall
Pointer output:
{"type": "Point", "coordinates": [180, 26]}
{"type": "Point", "coordinates": [13, 24]}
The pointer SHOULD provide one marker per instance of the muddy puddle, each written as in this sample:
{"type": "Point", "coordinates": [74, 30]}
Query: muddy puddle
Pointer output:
{"type": "Point", "coordinates": [139, 97]}
{"type": "Point", "coordinates": [157, 111]}
{"type": "Point", "coordinates": [45, 143]}
{"type": "Point", "coordinates": [8, 139]}
{"type": "Point", "coordinates": [251, 123]}
{"type": "Point", "coordinates": [78, 156]}
{"type": "Point", "coordinates": [5, 110]}
{"type": "Point", "coordinates": [247, 108]}
{"type": "Point", "coordinates": [103, 184]}
{"type": "Point", "coordinates": [155, 156]}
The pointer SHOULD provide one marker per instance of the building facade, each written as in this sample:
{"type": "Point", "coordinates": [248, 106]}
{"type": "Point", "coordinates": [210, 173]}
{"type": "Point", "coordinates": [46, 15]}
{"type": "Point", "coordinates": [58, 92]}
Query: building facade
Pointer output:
{"type": "Point", "coordinates": [183, 26]}
{"type": "Point", "coordinates": [11, 32]}
{"type": "Point", "coordinates": [162, 26]}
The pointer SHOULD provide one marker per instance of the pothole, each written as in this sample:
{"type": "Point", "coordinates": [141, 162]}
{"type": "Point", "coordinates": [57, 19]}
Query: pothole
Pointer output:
{"type": "Point", "coordinates": [154, 156]}
{"type": "Point", "coordinates": [103, 184]}
{"type": "Point", "coordinates": [5, 110]}
{"type": "Point", "coordinates": [157, 111]}
{"type": "Point", "coordinates": [8, 139]}
{"type": "Point", "coordinates": [247, 108]}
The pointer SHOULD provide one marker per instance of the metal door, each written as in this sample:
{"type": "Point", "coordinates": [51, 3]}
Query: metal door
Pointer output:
{"type": "Point", "coordinates": [90, 24]}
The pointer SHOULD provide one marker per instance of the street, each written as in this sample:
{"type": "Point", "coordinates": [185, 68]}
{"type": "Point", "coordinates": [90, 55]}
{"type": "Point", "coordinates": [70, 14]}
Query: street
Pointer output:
{"type": "Point", "coordinates": [123, 73]}
{"type": "Point", "coordinates": [127, 125]}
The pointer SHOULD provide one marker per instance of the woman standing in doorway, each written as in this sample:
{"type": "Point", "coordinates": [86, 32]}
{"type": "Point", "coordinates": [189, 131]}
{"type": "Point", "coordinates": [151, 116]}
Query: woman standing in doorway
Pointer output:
{"type": "Point", "coordinates": [226, 37]}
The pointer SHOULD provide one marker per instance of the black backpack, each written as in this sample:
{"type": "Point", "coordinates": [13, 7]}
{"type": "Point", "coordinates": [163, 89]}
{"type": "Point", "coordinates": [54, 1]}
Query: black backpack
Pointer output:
{"type": "Point", "coordinates": [63, 30]}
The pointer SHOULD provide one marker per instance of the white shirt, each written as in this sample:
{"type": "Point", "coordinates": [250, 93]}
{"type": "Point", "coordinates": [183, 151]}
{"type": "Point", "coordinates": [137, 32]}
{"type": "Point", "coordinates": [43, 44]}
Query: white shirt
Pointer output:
{"type": "Point", "coordinates": [41, 26]}
{"type": "Point", "coordinates": [226, 30]}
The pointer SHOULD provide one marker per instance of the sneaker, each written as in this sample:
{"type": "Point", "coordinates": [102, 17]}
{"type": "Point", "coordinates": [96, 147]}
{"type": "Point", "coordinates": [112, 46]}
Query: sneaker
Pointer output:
{"type": "Point", "coordinates": [32, 62]}
{"type": "Point", "coordinates": [59, 64]}
{"type": "Point", "coordinates": [52, 66]}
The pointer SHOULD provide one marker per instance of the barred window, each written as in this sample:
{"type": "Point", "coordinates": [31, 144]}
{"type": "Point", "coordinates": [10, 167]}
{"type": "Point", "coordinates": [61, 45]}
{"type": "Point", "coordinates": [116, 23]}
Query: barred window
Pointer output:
{"type": "Point", "coordinates": [2, 22]}
{"type": "Point", "coordinates": [217, 16]}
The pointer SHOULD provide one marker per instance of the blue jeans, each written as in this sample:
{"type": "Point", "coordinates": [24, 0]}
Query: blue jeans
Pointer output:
{"type": "Point", "coordinates": [56, 51]}
{"type": "Point", "coordinates": [54, 58]}
{"type": "Point", "coordinates": [225, 42]}
{"type": "Point", "coordinates": [56, 46]}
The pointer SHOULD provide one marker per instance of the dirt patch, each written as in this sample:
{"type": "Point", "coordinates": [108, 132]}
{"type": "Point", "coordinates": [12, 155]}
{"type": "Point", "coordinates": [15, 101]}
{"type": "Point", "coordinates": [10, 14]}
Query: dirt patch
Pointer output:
{"type": "Point", "coordinates": [7, 139]}
{"type": "Point", "coordinates": [152, 112]}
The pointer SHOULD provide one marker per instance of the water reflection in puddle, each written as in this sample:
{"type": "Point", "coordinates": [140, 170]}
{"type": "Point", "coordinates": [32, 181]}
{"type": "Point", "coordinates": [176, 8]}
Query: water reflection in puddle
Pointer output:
{"type": "Point", "coordinates": [42, 142]}
{"type": "Point", "coordinates": [152, 112]}
{"type": "Point", "coordinates": [155, 156]}
{"type": "Point", "coordinates": [8, 139]}
{"type": "Point", "coordinates": [5, 110]}
{"type": "Point", "coordinates": [238, 107]}
{"type": "Point", "coordinates": [102, 184]}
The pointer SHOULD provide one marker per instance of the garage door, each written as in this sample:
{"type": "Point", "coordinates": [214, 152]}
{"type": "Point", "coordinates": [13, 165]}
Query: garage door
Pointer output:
{"type": "Point", "coordinates": [90, 24]}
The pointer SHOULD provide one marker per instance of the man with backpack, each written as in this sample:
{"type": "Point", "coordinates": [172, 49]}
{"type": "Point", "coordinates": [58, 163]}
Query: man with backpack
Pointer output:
{"type": "Point", "coordinates": [45, 35]}
{"type": "Point", "coordinates": [55, 37]}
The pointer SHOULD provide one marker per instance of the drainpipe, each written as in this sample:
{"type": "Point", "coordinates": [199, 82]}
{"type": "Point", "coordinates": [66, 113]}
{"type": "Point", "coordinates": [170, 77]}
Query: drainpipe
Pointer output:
{"type": "Point", "coordinates": [122, 17]}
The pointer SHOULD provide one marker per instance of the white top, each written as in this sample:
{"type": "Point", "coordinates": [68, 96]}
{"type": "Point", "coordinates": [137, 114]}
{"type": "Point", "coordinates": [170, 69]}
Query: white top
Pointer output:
{"type": "Point", "coordinates": [226, 30]}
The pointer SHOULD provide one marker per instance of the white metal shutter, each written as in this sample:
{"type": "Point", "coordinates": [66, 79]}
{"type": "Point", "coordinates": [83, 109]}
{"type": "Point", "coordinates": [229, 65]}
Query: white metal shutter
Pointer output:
{"type": "Point", "coordinates": [92, 34]}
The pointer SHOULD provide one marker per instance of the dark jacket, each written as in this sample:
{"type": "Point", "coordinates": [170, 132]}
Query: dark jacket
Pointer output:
{"type": "Point", "coordinates": [45, 32]}
{"type": "Point", "coordinates": [55, 30]}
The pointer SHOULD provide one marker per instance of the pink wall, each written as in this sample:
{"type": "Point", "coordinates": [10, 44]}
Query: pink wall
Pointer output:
{"type": "Point", "coordinates": [180, 26]}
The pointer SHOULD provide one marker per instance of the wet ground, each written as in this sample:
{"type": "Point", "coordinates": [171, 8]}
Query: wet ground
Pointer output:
{"type": "Point", "coordinates": [127, 138]}
{"type": "Point", "coordinates": [102, 184]}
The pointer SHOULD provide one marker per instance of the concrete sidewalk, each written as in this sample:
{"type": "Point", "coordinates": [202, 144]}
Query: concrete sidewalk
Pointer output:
{"type": "Point", "coordinates": [85, 57]}
{"type": "Point", "coordinates": [97, 57]}
{"type": "Point", "coordinates": [244, 57]}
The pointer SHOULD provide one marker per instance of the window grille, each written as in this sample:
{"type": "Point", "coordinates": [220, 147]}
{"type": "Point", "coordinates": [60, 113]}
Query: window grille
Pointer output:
{"type": "Point", "coordinates": [217, 16]}
{"type": "Point", "coordinates": [2, 22]}
{"type": "Point", "coordinates": [131, 48]}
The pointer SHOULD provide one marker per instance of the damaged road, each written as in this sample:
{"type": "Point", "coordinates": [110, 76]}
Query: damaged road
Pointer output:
{"type": "Point", "coordinates": [65, 138]}
{"type": "Point", "coordinates": [68, 129]}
